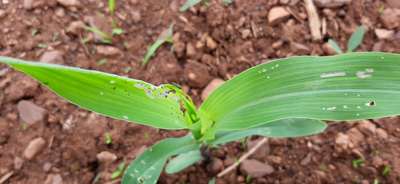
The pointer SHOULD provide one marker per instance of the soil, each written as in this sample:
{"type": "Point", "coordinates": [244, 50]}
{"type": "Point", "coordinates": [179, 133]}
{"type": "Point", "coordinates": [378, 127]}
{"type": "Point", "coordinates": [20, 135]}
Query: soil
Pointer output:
{"type": "Point", "coordinates": [212, 40]}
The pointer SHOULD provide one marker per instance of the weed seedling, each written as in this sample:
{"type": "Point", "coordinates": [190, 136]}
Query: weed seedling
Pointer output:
{"type": "Point", "coordinates": [105, 37]}
{"type": "Point", "coordinates": [107, 138]}
{"type": "Point", "coordinates": [119, 171]}
{"type": "Point", "coordinates": [191, 3]}
{"type": "Point", "coordinates": [290, 97]}
{"type": "Point", "coordinates": [165, 37]}
{"type": "Point", "coordinates": [354, 41]}
{"type": "Point", "coordinates": [386, 170]}
{"type": "Point", "coordinates": [357, 163]}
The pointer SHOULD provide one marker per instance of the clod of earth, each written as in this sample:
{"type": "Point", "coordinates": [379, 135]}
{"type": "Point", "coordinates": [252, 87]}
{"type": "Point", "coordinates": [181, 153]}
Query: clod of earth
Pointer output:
{"type": "Point", "coordinates": [34, 147]}
{"type": "Point", "coordinates": [30, 113]}
{"type": "Point", "coordinates": [255, 168]}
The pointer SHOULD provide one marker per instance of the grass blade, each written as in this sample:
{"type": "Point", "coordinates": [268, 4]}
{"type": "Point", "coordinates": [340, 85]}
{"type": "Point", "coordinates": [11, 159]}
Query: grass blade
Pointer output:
{"type": "Point", "coordinates": [111, 6]}
{"type": "Point", "coordinates": [335, 46]}
{"type": "Point", "coordinates": [188, 4]}
{"type": "Point", "coordinates": [165, 36]}
{"type": "Point", "coordinates": [356, 39]}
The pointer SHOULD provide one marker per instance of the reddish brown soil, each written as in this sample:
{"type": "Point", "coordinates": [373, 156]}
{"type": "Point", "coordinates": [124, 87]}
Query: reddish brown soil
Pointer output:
{"type": "Point", "coordinates": [243, 38]}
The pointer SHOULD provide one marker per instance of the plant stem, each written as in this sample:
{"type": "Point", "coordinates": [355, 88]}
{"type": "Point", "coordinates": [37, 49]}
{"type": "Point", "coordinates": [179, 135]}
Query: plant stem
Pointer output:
{"type": "Point", "coordinates": [243, 157]}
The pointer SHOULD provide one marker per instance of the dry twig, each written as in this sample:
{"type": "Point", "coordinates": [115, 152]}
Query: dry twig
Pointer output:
{"type": "Point", "coordinates": [243, 157]}
{"type": "Point", "coordinates": [313, 19]}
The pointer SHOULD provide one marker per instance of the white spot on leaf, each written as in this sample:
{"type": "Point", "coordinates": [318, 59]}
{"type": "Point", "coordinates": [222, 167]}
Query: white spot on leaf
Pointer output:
{"type": "Point", "coordinates": [333, 74]}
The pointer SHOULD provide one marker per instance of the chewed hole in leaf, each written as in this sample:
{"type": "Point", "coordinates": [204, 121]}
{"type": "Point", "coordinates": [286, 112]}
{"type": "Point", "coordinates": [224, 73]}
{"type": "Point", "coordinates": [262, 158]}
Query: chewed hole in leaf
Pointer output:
{"type": "Point", "coordinates": [365, 74]}
{"type": "Point", "coordinates": [370, 103]}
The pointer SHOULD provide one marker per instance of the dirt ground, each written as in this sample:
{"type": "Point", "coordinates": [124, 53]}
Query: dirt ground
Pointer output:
{"type": "Point", "coordinates": [211, 41]}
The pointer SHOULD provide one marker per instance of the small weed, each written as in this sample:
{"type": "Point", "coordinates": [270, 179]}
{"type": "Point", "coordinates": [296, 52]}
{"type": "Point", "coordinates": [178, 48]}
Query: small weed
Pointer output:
{"type": "Point", "coordinates": [354, 41]}
{"type": "Point", "coordinates": [381, 8]}
{"type": "Point", "coordinates": [119, 171]}
{"type": "Point", "coordinates": [146, 136]}
{"type": "Point", "coordinates": [165, 37]}
{"type": "Point", "coordinates": [117, 31]}
{"type": "Point", "coordinates": [386, 170]}
{"type": "Point", "coordinates": [127, 69]}
{"type": "Point", "coordinates": [248, 179]}
{"type": "Point", "coordinates": [102, 62]}
{"type": "Point", "coordinates": [376, 181]}
{"type": "Point", "coordinates": [111, 6]}
{"type": "Point", "coordinates": [34, 32]}
{"type": "Point", "coordinates": [228, 2]}
{"type": "Point", "coordinates": [188, 4]}
{"type": "Point", "coordinates": [105, 37]}
{"type": "Point", "coordinates": [108, 138]}
{"type": "Point", "coordinates": [357, 163]}
{"type": "Point", "coordinates": [212, 181]}
{"type": "Point", "coordinates": [42, 45]}
{"type": "Point", "coordinates": [323, 167]}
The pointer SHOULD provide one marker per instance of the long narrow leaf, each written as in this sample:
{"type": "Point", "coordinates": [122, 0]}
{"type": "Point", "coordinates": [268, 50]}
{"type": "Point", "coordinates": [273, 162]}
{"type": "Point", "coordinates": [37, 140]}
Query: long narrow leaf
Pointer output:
{"type": "Point", "coordinates": [356, 39]}
{"type": "Point", "coordinates": [165, 37]}
{"type": "Point", "coordinates": [146, 169]}
{"type": "Point", "coordinates": [343, 87]}
{"type": "Point", "coordinates": [107, 94]}
{"type": "Point", "coordinates": [335, 46]}
{"type": "Point", "coordinates": [277, 129]}
{"type": "Point", "coordinates": [188, 4]}
{"type": "Point", "coordinates": [183, 161]}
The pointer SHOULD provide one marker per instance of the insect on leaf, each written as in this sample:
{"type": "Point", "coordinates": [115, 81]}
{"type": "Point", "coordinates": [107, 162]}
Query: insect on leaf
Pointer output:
{"type": "Point", "coordinates": [146, 168]}
{"type": "Point", "coordinates": [183, 161]}
{"type": "Point", "coordinates": [165, 36]}
{"type": "Point", "coordinates": [335, 46]}
{"type": "Point", "coordinates": [356, 39]}
{"type": "Point", "coordinates": [350, 86]}
{"type": "Point", "coordinates": [110, 95]}
{"type": "Point", "coordinates": [277, 129]}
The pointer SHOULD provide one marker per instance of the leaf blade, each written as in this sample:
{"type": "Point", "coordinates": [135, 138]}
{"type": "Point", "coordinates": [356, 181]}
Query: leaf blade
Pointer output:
{"type": "Point", "coordinates": [110, 95]}
{"type": "Point", "coordinates": [356, 39]}
{"type": "Point", "coordinates": [188, 4]}
{"type": "Point", "coordinates": [277, 129]}
{"type": "Point", "coordinates": [183, 161]}
{"type": "Point", "coordinates": [147, 168]}
{"type": "Point", "coordinates": [325, 88]}
{"type": "Point", "coordinates": [335, 46]}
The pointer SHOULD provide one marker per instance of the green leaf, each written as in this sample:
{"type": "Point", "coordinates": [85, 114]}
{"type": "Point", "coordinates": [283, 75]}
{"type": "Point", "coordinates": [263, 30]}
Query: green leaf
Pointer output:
{"type": "Point", "coordinates": [188, 4]}
{"type": "Point", "coordinates": [118, 172]}
{"type": "Point", "coordinates": [105, 38]}
{"type": "Point", "coordinates": [228, 2]}
{"type": "Point", "coordinates": [277, 129]}
{"type": "Point", "coordinates": [165, 36]}
{"type": "Point", "coordinates": [111, 6]}
{"type": "Point", "coordinates": [335, 46]}
{"type": "Point", "coordinates": [183, 161]}
{"type": "Point", "coordinates": [117, 31]}
{"type": "Point", "coordinates": [350, 86]}
{"type": "Point", "coordinates": [212, 181]}
{"type": "Point", "coordinates": [146, 169]}
{"type": "Point", "coordinates": [111, 95]}
{"type": "Point", "coordinates": [356, 39]}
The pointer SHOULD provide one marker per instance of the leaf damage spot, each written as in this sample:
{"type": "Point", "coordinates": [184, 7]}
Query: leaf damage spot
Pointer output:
{"type": "Point", "coordinates": [333, 74]}
{"type": "Point", "coordinates": [365, 74]}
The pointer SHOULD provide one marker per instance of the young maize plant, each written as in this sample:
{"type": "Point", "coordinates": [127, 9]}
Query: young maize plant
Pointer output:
{"type": "Point", "coordinates": [288, 97]}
